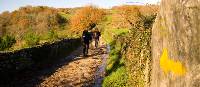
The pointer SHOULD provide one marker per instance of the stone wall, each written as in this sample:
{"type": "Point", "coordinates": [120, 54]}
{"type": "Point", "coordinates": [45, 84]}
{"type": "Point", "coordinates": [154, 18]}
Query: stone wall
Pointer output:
{"type": "Point", "coordinates": [14, 61]}
{"type": "Point", "coordinates": [176, 44]}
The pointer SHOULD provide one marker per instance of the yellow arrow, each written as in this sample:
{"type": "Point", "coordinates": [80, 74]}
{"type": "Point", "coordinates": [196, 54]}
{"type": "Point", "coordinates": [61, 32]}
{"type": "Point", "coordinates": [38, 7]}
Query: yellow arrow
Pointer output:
{"type": "Point", "coordinates": [169, 65]}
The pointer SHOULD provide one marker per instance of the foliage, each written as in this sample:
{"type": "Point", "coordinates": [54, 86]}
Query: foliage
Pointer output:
{"type": "Point", "coordinates": [52, 35]}
{"type": "Point", "coordinates": [126, 16]}
{"type": "Point", "coordinates": [130, 14]}
{"type": "Point", "coordinates": [6, 42]}
{"type": "Point", "coordinates": [62, 18]}
{"type": "Point", "coordinates": [148, 21]}
{"type": "Point", "coordinates": [50, 23]}
{"type": "Point", "coordinates": [135, 48]}
{"type": "Point", "coordinates": [138, 56]}
{"type": "Point", "coordinates": [85, 17]}
{"type": "Point", "coordinates": [138, 51]}
{"type": "Point", "coordinates": [110, 34]}
{"type": "Point", "coordinates": [115, 70]}
{"type": "Point", "coordinates": [31, 39]}
{"type": "Point", "coordinates": [41, 19]}
{"type": "Point", "coordinates": [4, 21]}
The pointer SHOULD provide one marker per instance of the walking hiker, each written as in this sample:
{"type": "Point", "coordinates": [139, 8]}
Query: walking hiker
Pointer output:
{"type": "Point", "coordinates": [96, 36]}
{"type": "Point", "coordinates": [86, 37]}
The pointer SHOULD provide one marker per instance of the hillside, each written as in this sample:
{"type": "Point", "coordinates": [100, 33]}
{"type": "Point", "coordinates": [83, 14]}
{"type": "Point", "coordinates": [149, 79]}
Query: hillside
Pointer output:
{"type": "Point", "coordinates": [33, 25]}
{"type": "Point", "coordinates": [29, 26]}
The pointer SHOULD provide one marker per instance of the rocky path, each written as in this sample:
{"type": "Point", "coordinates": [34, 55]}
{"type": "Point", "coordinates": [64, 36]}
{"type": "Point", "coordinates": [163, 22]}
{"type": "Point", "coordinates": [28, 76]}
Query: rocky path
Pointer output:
{"type": "Point", "coordinates": [78, 73]}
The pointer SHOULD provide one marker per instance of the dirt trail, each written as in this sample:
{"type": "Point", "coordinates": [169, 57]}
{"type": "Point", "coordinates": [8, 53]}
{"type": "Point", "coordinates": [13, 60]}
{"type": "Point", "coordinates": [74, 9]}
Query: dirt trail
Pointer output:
{"type": "Point", "coordinates": [80, 72]}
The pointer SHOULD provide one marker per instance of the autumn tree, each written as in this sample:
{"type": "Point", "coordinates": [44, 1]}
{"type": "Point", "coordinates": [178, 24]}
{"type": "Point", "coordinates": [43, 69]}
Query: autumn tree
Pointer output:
{"type": "Point", "coordinates": [4, 22]}
{"type": "Point", "coordinates": [125, 16]}
{"type": "Point", "coordinates": [85, 17]}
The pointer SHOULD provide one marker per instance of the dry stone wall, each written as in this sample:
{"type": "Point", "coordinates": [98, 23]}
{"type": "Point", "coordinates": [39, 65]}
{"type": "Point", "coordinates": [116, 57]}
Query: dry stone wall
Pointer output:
{"type": "Point", "coordinates": [14, 61]}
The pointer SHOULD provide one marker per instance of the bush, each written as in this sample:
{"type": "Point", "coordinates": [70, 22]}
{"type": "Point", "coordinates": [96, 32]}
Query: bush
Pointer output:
{"type": "Point", "coordinates": [62, 18]}
{"type": "Point", "coordinates": [148, 21]}
{"type": "Point", "coordinates": [6, 42]}
{"type": "Point", "coordinates": [52, 35]}
{"type": "Point", "coordinates": [31, 39]}
{"type": "Point", "coordinates": [138, 52]}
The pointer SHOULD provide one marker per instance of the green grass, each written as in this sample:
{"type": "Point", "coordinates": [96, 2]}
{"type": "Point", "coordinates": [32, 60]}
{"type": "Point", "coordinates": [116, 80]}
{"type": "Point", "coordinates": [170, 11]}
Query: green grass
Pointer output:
{"type": "Point", "coordinates": [116, 79]}
{"type": "Point", "coordinates": [115, 69]}
{"type": "Point", "coordinates": [110, 33]}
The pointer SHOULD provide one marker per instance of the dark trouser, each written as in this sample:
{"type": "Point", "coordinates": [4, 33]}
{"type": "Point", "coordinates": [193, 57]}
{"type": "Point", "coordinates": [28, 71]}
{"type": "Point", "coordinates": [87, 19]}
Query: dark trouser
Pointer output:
{"type": "Point", "coordinates": [96, 42]}
{"type": "Point", "coordinates": [85, 48]}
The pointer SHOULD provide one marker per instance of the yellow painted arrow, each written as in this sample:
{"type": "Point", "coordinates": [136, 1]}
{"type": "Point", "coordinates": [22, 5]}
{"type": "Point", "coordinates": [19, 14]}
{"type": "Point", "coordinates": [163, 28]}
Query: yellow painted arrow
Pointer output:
{"type": "Point", "coordinates": [169, 65]}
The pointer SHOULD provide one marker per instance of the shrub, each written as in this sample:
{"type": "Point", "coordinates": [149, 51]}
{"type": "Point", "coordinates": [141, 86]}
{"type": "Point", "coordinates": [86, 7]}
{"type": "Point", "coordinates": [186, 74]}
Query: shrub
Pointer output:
{"type": "Point", "coordinates": [31, 39]}
{"type": "Point", "coordinates": [62, 18]}
{"type": "Point", "coordinates": [138, 52]}
{"type": "Point", "coordinates": [6, 42]}
{"type": "Point", "coordinates": [52, 35]}
{"type": "Point", "coordinates": [148, 21]}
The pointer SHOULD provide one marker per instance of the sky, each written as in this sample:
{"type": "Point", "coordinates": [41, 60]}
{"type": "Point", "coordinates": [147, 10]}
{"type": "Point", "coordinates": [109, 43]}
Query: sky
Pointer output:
{"type": "Point", "coordinates": [11, 5]}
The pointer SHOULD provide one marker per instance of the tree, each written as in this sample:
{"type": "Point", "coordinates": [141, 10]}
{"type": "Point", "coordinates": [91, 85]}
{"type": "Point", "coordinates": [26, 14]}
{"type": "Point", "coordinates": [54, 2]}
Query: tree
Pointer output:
{"type": "Point", "coordinates": [85, 17]}
{"type": "Point", "coordinates": [4, 22]}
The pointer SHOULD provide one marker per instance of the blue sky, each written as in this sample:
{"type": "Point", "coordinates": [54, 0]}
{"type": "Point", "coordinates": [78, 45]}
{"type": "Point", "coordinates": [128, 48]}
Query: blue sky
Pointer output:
{"type": "Point", "coordinates": [10, 5]}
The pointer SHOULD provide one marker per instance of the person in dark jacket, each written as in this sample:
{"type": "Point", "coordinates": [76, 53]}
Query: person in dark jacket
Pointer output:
{"type": "Point", "coordinates": [86, 37]}
{"type": "Point", "coordinates": [96, 36]}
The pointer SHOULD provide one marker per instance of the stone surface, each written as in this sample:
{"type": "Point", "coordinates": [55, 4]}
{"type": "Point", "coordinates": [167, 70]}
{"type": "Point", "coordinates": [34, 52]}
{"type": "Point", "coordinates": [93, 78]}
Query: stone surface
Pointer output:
{"type": "Point", "coordinates": [176, 43]}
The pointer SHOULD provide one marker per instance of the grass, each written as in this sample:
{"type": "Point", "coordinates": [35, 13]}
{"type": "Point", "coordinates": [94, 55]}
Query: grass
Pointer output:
{"type": "Point", "coordinates": [116, 79]}
{"type": "Point", "coordinates": [109, 31]}
{"type": "Point", "coordinates": [115, 70]}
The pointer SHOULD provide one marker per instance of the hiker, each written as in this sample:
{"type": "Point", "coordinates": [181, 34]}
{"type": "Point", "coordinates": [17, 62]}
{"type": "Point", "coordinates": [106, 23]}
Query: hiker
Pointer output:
{"type": "Point", "coordinates": [86, 38]}
{"type": "Point", "coordinates": [96, 36]}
